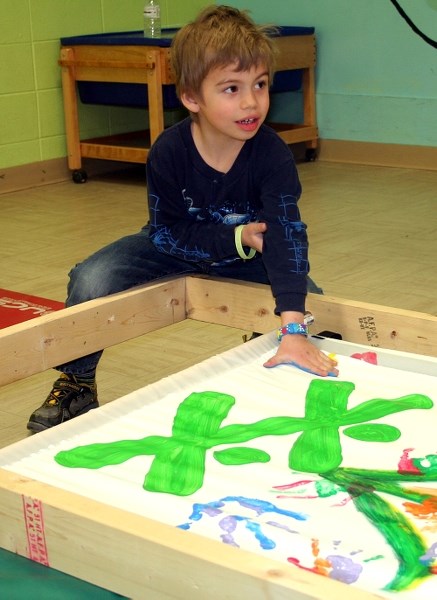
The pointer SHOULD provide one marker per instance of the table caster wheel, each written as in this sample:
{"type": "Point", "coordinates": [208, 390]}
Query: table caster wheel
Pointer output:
{"type": "Point", "coordinates": [79, 176]}
{"type": "Point", "coordinates": [310, 154]}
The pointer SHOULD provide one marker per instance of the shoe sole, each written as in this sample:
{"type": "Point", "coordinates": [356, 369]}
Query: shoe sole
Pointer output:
{"type": "Point", "coordinates": [36, 427]}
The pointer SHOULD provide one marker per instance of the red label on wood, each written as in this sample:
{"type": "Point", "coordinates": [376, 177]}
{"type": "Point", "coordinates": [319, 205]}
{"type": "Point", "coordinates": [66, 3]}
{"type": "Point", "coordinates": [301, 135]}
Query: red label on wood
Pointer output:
{"type": "Point", "coordinates": [16, 307]}
{"type": "Point", "coordinates": [34, 523]}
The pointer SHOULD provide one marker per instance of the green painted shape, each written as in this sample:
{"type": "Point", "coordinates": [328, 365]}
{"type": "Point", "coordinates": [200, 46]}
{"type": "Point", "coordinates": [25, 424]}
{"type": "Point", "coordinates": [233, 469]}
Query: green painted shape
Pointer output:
{"type": "Point", "coordinates": [373, 432]}
{"type": "Point", "coordinates": [318, 448]}
{"type": "Point", "coordinates": [241, 456]}
{"type": "Point", "coordinates": [178, 466]}
{"type": "Point", "coordinates": [429, 469]}
{"type": "Point", "coordinates": [181, 470]}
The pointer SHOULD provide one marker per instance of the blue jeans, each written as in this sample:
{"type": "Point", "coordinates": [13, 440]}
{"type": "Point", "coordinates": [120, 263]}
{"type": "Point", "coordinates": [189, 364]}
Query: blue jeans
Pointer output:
{"type": "Point", "coordinates": [133, 260]}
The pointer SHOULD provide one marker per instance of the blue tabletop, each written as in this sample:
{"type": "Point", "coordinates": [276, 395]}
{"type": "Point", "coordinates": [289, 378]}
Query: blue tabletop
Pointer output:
{"type": "Point", "coordinates": [136, 38]}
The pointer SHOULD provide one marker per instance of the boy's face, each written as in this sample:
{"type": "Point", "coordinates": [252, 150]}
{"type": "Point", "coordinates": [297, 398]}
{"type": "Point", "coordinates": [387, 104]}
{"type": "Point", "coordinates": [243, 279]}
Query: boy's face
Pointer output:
{"type": "Point", "coordinates": [232, 103]}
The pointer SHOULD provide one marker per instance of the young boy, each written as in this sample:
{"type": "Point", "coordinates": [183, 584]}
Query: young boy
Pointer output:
{"type": "Point", "coordinates": [223, 192]}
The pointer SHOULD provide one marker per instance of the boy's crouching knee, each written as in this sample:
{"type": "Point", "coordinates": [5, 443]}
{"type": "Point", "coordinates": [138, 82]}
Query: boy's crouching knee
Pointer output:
{"type": "Point", "coordinates": [90, 281]}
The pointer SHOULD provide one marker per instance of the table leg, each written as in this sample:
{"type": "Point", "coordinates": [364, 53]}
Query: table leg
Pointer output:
{"type": "Point", "coordinates": [309, 103]}
{"type": "Point", "coordinates": [70, 108]}
{"type": "Point", "coordinates": [154, 93]}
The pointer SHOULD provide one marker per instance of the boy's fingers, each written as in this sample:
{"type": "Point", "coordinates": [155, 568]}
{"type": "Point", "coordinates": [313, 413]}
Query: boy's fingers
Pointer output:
{"type": "Point", "coordinates": [271, 362]}
{"type": "Point", "coordinates": [275, 361]}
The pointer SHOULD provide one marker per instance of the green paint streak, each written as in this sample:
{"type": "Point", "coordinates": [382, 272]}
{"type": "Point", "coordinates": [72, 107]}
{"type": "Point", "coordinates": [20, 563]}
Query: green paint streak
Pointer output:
{"type": "Point", "coordinates": [237, 434]}
{"type": "Point", "coordinates": [406, 542]}
{"type": "Point", "coordinates": [95, 456]}
{"type": "Point", "coordinates": [325, 489]}
{"type": "Point", "coordinates": [365, 479]}
{"type": "Point", "coordinates": [378, 408]}
{"type": "Point", "coordinates": [241, 456]}
{"type": "Point", "coordinates": [385, 475]}
{"type": "Point", "coordinates": [372, 558]}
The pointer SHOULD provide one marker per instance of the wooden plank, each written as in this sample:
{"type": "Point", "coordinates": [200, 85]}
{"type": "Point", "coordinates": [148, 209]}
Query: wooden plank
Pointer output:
{"type": "Point", "coordinates": [47, 341]}
{"type": "Point", "coordinates": [107, 151]}
{"type": "Point", "coordinates": [124, 64]}
{"type": "Point", "coordinates": [374, 325]}
{"type": "Point", "coordinates": [103, 64]}
{"type": "Point", "coordinates": [101, 149]}
{"type": "Point", "coordinates": [42, 343]}
{"type": "Point", "coordinates": [295, 52]}
{"type": "Point", "coordinates": [251, 306]}
{"type": "Point", "coordinates": [309, 98]}
{"type": "Point", "coordinates": [233, 303]}
{"type": "Point", "coordinates": [154, 96]}
{"type": "Point", "coordinates": [294, 134]}
{"type": "Point", "coordinates": [37, 345]}
{"type": "Point", "coordinates": [142, 558]}
{"type": "Point", "coordinates": [116, 75]}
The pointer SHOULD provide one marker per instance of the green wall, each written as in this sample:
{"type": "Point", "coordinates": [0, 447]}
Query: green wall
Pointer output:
{"type": "Point", "coordinates": [376, 79]}
{"type": "Point", "coordinates": [32, 119]}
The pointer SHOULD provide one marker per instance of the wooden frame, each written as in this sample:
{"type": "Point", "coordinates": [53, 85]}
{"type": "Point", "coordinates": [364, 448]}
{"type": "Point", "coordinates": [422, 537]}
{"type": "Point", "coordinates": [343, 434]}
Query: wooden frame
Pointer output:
{"type": "Point", "coordinates": [136, 556]}
{"type": "Point", "coordinates": [151, 65]}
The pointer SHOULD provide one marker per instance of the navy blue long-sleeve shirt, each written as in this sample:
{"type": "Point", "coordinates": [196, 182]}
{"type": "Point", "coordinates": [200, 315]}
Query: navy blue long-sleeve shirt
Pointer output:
{"type": "Point", "coordinates": [194, 209]}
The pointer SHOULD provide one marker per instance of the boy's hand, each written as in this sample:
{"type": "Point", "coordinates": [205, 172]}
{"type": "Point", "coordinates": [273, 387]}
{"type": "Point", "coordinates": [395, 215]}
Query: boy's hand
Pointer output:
{"type": "Point", "coordinates": [297, 350]}
{"type": "Point", "coordinates": [252, 235]}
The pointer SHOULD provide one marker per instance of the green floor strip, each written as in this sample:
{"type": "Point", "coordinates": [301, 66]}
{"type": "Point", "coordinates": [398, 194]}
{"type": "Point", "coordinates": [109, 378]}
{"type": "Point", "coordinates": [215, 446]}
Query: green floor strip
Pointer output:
{"type": "Point", "coordinates": [21, 579]}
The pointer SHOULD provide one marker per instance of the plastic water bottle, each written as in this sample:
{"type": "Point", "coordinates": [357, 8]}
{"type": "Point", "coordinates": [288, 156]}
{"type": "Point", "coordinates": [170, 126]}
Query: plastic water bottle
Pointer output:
{"type": "Point", "coordinates": [152, 19]}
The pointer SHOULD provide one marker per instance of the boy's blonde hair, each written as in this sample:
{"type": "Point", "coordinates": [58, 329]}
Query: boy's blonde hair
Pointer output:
{"type": "Point", "coordinates": [219, 36]}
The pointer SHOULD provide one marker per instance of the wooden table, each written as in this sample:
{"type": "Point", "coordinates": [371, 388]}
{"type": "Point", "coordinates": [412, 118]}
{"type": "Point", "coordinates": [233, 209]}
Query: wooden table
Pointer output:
{"type": "Point", "coordinates": [129, 58]}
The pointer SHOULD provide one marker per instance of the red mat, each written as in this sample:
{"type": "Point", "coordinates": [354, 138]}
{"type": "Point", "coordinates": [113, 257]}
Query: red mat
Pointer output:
{"type": "Point", "coordinates": [16, 307]}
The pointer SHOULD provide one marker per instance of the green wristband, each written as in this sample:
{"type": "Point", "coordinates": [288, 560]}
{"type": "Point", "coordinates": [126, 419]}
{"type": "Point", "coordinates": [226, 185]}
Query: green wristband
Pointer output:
{"type": "Point", "coordinates": [239, 245]}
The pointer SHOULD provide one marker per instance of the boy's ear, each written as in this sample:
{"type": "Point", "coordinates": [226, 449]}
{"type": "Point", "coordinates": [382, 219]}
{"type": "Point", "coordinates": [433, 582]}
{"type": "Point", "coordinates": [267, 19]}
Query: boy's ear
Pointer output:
{"type": "Point", "coordinates": [190, 102]}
